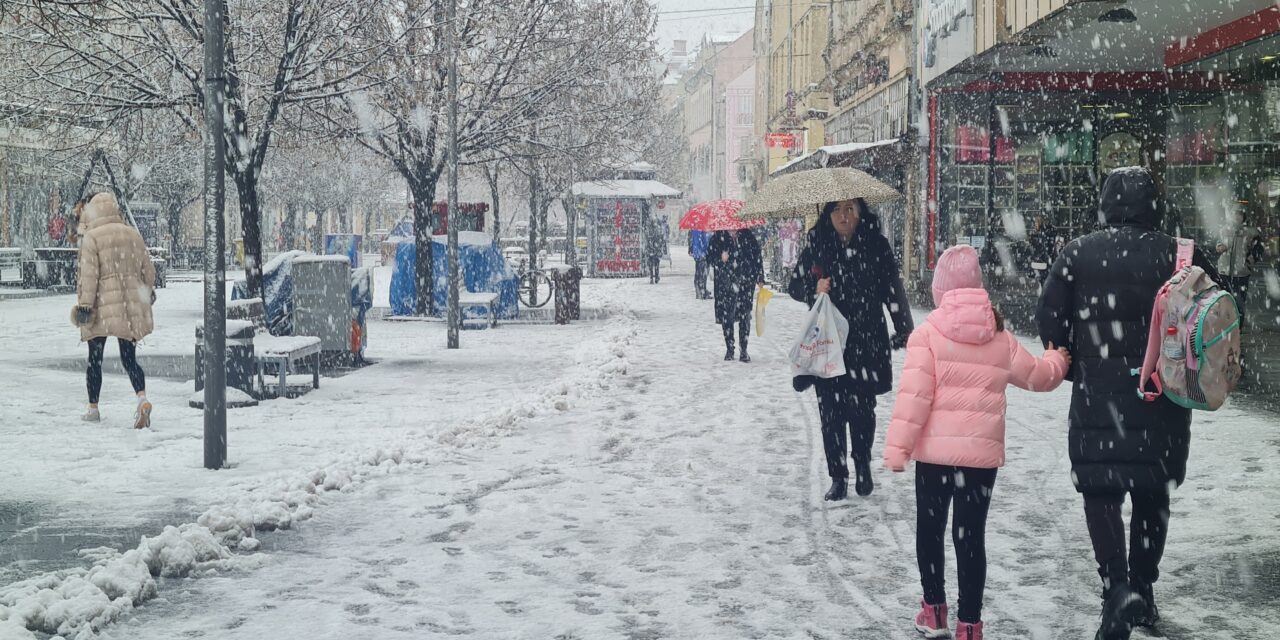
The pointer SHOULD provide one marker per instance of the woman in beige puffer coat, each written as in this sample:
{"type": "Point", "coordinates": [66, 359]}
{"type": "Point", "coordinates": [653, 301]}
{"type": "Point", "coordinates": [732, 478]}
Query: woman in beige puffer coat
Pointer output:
{"type": "Point", "coordinates": [114, 294]}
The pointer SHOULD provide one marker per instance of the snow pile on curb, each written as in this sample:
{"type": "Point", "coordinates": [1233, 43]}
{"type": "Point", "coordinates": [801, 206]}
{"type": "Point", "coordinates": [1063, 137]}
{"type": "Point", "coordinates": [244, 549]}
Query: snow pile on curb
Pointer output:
{"type": "Point", "coordinates": [596, 364]}
{"type": "Point", "coordinates": [76, 603]}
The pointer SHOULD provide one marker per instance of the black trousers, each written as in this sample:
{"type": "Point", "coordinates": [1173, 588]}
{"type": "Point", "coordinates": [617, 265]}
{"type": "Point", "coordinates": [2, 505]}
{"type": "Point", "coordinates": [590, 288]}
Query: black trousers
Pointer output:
{"type": "Point", "coordinates": [652, 267]}
{"type": "Point", "coordinates": [744, 330]}
{"type": "Point", "coordinates": [937, 486]}
{"type": "Point", "coordinates": [700, 270]}
{"type": "Point", "coordinates": [128, 358]}
{"type": "Point", "coordinates": [1148, 531]}
{"type": "Point", "coordinates": [847, 416]}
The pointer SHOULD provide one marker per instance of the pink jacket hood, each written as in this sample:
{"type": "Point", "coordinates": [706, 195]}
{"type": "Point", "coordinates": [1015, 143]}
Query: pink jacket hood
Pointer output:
{"type": "Point", "coordinates": [965, 316]}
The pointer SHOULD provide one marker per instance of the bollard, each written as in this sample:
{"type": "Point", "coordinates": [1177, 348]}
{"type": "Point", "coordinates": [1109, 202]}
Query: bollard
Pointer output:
{"type": "Point", "coordinates": [561, 296]}
{"type": "Point", "coordinates": [573, 291]}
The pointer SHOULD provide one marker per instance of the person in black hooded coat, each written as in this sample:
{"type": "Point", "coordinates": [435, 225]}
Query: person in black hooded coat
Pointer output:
{"type": "Point", "coordinates": [739, 269]}
{"type": "Point", "coordinates": [851, 259]}
{"type": "Point", "coordinates": [1097, 302]}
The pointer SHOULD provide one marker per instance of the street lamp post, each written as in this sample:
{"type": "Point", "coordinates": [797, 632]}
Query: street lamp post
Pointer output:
{"type": "Point", "coordinates": [455, 312]}
{"type": "Point", "coordinates": [215, 274]}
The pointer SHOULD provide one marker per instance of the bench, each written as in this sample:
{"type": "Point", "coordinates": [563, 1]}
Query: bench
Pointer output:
{"type": "Point", "coordinates": [10, 265]}
{"type": "Point", "coordinates": [278, 351]}
{"type": "Point", "coordinates": [486, 299]}
{"type": "Point", "coordinates": [282, 352]}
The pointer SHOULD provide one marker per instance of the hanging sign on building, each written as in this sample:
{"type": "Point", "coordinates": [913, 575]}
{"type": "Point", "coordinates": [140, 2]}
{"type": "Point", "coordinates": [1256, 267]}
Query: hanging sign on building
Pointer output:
{"type": "Point", "coordinates": [779, 140]}
{"type": "Point", "coordinates": [947, 35]}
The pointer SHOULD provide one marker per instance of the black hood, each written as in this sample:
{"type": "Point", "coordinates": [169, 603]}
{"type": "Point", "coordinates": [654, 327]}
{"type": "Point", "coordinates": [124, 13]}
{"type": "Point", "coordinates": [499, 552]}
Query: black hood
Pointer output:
{"type": "Point", "coordinates": [1129, 198]}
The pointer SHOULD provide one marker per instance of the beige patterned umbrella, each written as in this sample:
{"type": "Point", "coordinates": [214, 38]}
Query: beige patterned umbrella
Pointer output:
{"type": "Point", "coordinates": [798, 194]}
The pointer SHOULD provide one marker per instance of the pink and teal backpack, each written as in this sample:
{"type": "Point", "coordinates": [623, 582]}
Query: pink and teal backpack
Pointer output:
{"type": "Point", "coordinates": [1193, 346]}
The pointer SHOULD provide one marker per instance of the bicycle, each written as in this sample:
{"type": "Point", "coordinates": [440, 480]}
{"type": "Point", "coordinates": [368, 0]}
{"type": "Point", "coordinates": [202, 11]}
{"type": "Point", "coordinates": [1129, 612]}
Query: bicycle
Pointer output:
{"type": "Point", "coordinates": [534, 286]}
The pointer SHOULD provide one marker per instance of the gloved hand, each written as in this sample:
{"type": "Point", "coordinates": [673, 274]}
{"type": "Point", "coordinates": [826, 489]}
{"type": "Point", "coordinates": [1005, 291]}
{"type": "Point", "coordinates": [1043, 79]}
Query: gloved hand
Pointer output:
{"type": "Point", "coordinates": [899, 340]}
{"type": "Point", "coordinates": [82, 315]}
{"type": "Point", "coordinates": [153, 296]}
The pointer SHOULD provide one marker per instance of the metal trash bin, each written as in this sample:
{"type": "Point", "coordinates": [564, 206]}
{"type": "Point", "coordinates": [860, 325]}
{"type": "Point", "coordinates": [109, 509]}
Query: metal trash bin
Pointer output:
{"type": "Point", "coordinates": [567, 284]}
{"type": "Point", "coordinates": [241, 365]}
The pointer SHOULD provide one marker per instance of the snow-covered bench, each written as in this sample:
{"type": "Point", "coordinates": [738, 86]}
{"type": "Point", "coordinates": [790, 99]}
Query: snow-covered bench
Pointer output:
{"type": "Point", "coordinates": [282, 352]}
{"type": "Point", "coordinates": [486, 299]}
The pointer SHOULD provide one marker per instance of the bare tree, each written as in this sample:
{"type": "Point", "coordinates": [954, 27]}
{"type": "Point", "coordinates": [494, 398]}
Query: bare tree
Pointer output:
{"type": "Point", "coordinates": [113, 58]}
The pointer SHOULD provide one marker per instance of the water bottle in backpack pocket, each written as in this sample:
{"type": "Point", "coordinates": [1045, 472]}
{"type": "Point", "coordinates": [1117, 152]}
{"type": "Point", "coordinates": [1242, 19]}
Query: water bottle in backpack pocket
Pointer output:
{"type": "Point", "coordinates": [1193, 347]}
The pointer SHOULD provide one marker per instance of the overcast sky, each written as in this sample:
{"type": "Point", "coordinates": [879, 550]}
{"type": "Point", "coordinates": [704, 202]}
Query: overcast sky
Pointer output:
{"type": "Point", "coordinates": [698, 17]}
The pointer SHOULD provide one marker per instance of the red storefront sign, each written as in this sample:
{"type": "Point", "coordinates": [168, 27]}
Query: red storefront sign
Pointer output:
{"type": "Point", "coordinates": [779, 140]}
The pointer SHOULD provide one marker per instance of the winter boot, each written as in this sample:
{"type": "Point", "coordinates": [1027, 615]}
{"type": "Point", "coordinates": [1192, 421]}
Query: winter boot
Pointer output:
{"type": "Point", "coordinates": [1121, 607]}
{"type": "Point", "coordinates": [744, 357]}
{"type": "Point", "coordinates": [142, 416]}
{"type": "Point", "coordinates": [862, 485]}
{"type": "Point", "coordinates": [839, 489]}
{"type": "Point", "coordinates": [728, 354]}
{"type": "Point", "coordinates": [1150, 614]}
{"type": "Point", "coordinates": [968, 631]}
{"type": "Point", "coordinates": [932, 620]}
{"type": "Point", "coordinates": [91, 415]}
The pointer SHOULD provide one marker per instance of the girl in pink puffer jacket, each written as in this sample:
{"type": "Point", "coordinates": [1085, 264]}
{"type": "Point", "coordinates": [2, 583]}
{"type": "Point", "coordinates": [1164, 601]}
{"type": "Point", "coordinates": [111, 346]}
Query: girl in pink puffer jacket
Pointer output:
{"type": "Point", "coordinates": [949, 418]}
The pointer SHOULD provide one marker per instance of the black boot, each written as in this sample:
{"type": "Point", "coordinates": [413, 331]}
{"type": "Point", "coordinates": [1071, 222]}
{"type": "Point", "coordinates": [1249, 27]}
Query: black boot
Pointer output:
{"type": "Point", "coordinates": [839, 489]}
{"type": "Point", "coordinates": [728, 355]}
{"type": "Point", "coordinates": [862, 483]}
{"type": "Point", "coordinates": [1121, 607]}
{"type": "Point", "coordinates": [1150, 614]}
{"type": "Point", "coordinates": [744, 357]}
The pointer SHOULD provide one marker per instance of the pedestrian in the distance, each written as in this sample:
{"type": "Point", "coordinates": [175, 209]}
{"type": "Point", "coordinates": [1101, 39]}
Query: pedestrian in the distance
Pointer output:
{"type": "Point", "coordinates": [848, 258]}
{"type": "Point", "coordinates": [698, 250]}
{"type": "Point", "coordinates": [1239, 249]}
{"type": "Point", "coordinates": [1097, 303]}
{"type": "Point", "coordinates": [950, 418]}
{"type": "Point", "coordinates": [114, 294]}
{"type": "Point", "coordinates": [654, 248]}
{"type": "Point", "coordinates": [739, 269]}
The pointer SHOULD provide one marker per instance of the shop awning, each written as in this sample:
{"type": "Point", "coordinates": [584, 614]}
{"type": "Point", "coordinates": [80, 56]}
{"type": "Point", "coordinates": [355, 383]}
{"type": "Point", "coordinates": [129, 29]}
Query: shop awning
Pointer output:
{"type": "Point", "coordinates": [625, 189]}
{"type": "Point", "coordinates": [835, 155]}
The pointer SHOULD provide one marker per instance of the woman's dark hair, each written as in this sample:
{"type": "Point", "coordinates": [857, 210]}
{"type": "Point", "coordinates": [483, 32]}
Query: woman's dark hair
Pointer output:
{"type": "Point", "coordinates": [824, 218]}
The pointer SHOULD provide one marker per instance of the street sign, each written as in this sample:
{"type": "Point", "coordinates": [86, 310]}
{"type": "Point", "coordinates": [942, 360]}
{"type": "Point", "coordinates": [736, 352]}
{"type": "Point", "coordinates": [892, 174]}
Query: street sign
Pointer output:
{"type": "Point", "coordinates": [779, 140]}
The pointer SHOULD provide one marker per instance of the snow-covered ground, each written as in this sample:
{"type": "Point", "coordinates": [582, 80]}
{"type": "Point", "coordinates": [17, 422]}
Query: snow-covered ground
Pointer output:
{"type": "Point", "coordinates": [611, 479]}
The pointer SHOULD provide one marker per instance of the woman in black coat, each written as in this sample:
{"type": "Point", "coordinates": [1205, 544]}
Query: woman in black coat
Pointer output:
{"type": "Point", "coordinates": [1097, 302]}
{"type": "Point", "coordinates": [739, 269]}
{"type": "Point", "coordinates": [848, 258]}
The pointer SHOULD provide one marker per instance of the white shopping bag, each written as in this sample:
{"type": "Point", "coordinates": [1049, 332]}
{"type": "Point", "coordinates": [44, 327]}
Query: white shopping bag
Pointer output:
{"type": "Point", "coordinates": [820, 349]}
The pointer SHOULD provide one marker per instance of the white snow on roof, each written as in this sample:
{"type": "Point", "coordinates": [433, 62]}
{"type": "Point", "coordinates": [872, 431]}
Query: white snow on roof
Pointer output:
{"type": "Point", "coordinates": [625, 189]}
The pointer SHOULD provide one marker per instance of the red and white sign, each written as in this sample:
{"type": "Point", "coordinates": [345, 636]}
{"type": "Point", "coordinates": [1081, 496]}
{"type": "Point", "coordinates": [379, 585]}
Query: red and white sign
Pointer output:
{"type": "Point", "coordinates": [779, 140]}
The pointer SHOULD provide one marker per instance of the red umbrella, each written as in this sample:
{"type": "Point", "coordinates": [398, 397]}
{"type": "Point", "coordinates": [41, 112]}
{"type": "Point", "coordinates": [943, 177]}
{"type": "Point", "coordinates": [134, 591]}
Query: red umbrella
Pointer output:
{"type": "Point", "coordinates": [716, 215]}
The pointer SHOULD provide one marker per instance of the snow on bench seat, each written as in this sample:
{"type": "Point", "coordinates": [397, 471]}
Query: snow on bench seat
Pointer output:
{"type": "Point", "coordinates": [269, 345]}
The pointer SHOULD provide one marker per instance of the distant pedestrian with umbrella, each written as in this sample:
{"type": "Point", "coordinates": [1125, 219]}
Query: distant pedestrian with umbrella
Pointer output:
{"type": "Point", "coordinates": [734, 254]}
{"type": "Point", "coordinates": [848, 258]}
{"type": "Point", "coordinates": [739, 269]}
{"type": "Point", "coordinates": [698, 241]}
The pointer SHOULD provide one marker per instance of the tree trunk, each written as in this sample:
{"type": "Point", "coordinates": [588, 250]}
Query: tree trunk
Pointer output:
{"type": "Point", "coordinates": [492, 176]}
{"type": "Point", "coordinates": [534, 186]}
{"type": "Point", "coordinates": [290, 227]}
{"type": "Point", "coordinates": [316, 242]}
{"type": "Point", "coordinates": [424, 194]}
{"type": "Point", "coordinates": [570, 232]}
{"type": "Point", "coordinates": [173, 213]}
{"type": "Point", "coordinates": [251, 229]}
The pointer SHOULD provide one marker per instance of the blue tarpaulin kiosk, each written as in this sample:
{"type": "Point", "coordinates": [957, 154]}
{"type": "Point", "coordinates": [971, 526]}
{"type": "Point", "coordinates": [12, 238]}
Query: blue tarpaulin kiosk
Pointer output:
{"type": "Point", "coordinates": [482, 266]}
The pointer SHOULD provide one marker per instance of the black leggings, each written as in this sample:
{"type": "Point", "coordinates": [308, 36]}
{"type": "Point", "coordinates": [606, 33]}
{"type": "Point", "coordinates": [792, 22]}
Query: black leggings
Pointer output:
{"type": "Point", "coordinates": [744, 330]}
{"type": "Point", "coordinates": [1147, 533]}
{"type": "Point", "coordinates": [846, 415]}
{"type": "Point", "coordinates": [93, 374]}
{"type": "Point", "coordinates": [936, 486]}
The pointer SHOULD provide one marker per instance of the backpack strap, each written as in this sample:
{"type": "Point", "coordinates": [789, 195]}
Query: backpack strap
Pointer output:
{"type": "Point", "coordinates": [1148, 371]}
{"type": "Point", "coordinates": [1186, 253]}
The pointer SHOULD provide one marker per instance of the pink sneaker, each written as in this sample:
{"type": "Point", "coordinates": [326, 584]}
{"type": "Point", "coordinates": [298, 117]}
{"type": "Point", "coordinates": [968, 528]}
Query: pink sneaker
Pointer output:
{"type": "Point", "coordinates": [966, 631]}
{"type": "Point", "coordinates": [932, 620]}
